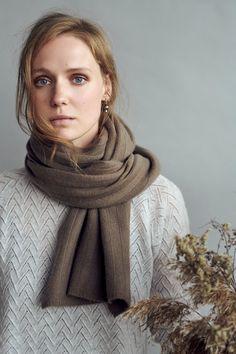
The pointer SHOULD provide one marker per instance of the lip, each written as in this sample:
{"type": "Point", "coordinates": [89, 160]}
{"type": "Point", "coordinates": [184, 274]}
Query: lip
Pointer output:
{"type": "Point", "coordinates": [61, 121]}
{"type": "Point", "coordinates": [60, 117]}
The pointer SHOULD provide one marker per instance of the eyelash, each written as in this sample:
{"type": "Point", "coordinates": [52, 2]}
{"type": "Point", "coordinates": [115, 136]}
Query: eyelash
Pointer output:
{"type": "Point", "coordinates": [36, 81]}
{"type": "Point", "coordinates": [81, 76]}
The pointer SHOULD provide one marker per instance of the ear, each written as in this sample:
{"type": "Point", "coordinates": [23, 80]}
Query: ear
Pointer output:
{"type": "Point", "coordinates": [107, 88]}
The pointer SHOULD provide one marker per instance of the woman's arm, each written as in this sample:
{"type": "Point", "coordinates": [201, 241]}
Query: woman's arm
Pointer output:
{"type": "Point", "coordinates": [175, 221]}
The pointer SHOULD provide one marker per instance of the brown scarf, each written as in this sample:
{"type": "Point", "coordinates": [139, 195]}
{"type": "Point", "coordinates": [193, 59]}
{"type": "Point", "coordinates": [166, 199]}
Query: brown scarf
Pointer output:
{"type": "Point", "coordinates": [91, 261]}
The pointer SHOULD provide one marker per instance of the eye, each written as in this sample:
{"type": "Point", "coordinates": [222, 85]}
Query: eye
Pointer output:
{"type": "Point", "coordinates": [79, 79]}
{"type": "Point", "coordinates": [41, 82]}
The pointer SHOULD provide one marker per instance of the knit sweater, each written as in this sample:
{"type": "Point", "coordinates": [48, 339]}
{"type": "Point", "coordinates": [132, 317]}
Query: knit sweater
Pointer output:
{"type": "Point", "coordinates": [29, 222]}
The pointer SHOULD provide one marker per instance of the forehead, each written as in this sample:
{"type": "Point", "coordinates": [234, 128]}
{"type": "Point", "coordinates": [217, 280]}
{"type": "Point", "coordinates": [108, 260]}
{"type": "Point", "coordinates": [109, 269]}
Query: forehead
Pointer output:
{"type": "Point", "coordinates": [64, 50]}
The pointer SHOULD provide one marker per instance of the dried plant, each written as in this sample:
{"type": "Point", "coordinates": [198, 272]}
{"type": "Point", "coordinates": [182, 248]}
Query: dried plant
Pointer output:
{"type": "Point", "coordinates": [208, 277]}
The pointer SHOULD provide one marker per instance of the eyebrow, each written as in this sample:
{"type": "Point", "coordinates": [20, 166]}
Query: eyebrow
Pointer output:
{"type": "Point", "coordinates": [34, 71]}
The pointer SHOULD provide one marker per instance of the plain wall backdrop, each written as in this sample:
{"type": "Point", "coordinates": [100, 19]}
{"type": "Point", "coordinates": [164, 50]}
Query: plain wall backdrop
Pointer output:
{"type": "Point", "coordinates": [177, 67]}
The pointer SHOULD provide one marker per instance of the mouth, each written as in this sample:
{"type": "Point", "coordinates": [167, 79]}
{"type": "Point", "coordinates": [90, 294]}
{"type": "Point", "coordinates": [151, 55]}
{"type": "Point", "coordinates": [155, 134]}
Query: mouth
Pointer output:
{"type": "Point", "coordinates": [60, 117]}
{"type": "Point", "coordinates": [61, 120]}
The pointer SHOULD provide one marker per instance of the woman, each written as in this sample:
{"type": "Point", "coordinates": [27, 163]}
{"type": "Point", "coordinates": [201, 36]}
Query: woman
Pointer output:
{"type": "Point", "coordinates": [88, 225]}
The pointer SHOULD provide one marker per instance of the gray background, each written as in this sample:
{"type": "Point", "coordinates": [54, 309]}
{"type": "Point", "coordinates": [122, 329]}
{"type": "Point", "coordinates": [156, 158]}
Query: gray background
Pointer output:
{"type": "Point", "coordinates": [176, 61]}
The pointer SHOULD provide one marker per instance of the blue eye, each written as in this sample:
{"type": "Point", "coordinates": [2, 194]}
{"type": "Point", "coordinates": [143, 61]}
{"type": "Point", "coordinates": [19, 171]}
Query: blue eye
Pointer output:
{"type": "Point", "coordinates": [79, 79]}
{"type": "Point", "coordinates": [41, 82]}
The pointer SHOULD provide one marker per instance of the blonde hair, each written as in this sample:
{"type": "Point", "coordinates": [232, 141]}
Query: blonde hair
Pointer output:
{"type": "Point", "coordinates": [43, 30]}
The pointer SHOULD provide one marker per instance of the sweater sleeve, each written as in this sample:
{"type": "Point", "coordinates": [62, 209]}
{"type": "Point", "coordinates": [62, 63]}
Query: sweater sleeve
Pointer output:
{"type": "Point", "coordinates": [171, 220]}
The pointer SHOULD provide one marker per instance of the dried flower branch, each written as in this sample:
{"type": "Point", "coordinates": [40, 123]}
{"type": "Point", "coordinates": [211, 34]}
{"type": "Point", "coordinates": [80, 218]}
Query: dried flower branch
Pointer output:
{"type": "Point", "coordinates": [209, 277]}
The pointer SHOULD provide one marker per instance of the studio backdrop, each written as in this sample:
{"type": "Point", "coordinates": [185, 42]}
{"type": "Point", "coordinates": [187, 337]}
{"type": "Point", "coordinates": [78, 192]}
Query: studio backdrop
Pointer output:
{"type": "Point", "coordinates": [177, 66]}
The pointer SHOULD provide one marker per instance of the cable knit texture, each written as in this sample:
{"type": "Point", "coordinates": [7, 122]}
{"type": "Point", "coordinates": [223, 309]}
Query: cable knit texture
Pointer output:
{"type": "Point", "coordinates": [29, 222]}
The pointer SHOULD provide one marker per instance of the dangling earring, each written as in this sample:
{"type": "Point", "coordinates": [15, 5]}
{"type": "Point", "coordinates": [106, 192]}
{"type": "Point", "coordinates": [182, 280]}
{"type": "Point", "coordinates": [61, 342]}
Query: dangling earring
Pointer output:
{"type": "Point", "coordinates": [105, 107]}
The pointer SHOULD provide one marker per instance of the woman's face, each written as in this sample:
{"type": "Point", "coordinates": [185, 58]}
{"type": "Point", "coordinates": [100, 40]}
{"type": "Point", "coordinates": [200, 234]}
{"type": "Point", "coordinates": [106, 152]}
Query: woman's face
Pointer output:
{"type": "Point", "coordinates": [67, 82]}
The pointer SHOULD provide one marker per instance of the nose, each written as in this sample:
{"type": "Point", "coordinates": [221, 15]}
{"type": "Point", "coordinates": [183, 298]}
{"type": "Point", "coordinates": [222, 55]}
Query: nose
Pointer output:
{"type": "Point", "coordinates": [59, 95]}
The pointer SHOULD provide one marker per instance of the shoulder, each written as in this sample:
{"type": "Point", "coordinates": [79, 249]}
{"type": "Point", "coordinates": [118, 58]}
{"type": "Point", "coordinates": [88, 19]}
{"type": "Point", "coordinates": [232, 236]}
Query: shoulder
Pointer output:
{"type": "Point", "coordinates": [172, 205]}
{"type": "Point", "coordinates": [165, 188]}
{"type": "Point", "coordinates": [11, 182]}
{"type": "Point", "coordinates": [164, 207]}
{"type": "Point", "coordinates": [10, 178]}
{"type": "Point", "coordinates": [162, 193]}
{"type": "Point", "coordinates": [11, 187]}
{"type": "Point", "coordinates": [170, 199]}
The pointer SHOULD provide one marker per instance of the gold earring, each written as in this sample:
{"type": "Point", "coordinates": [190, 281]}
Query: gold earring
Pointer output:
{"type": "Point", "coordinates": [105, 107]}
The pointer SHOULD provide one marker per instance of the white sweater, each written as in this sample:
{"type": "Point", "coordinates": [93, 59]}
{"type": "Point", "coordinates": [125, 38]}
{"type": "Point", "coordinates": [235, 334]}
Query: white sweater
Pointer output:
{"type": "Point", "coordinates": [29, 221]}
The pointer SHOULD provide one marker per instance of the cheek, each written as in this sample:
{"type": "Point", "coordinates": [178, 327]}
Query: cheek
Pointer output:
{"type": "Point", "coordinates": [91, 99]}
{"type": "Point", "coordinates": [39, 105]}
{"type": "Point", "coordinates": [39, 100]}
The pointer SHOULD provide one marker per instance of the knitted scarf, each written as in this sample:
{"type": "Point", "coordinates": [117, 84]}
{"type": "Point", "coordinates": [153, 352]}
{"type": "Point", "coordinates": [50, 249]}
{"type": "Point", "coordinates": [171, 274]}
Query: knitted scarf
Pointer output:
{"type": "Point", "coordinates": [91, 263]}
